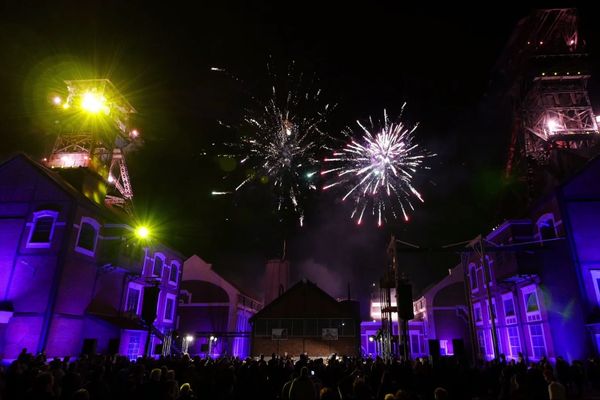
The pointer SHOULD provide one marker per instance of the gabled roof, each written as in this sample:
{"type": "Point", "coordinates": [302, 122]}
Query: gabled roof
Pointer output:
{"type": "Point", "coordinates": [305, 299]}
{"type": "Point", "coordinates": [66, 187]}
{"type": "Point", "coordinates": [113, 215]}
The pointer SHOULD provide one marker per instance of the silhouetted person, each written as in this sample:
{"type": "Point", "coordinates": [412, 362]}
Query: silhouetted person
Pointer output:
{"type": "Point", "coordinates": [81, 394]}
{"type": "Point", "coordinates": [42, 387]}
{"type": "Point", "coordinates": [556, 390]}
{"type": "Point", "coordinates": [302, 387]}
{"type": "Point", "coordinates": [185, 392]}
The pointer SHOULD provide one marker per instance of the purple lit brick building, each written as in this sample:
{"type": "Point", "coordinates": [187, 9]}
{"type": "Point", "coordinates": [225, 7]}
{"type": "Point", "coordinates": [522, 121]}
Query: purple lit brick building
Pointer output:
{"type": "Point", "coordinates": [72, 277]}
{"type": "Point", "coordinates": [213, 307]}
{"type": "Point", "coordinates": [544, 275]}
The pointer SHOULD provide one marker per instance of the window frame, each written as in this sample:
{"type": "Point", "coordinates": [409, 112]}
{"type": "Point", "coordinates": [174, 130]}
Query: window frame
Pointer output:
{"type": "Point", "coordinates": [173, 297]}
{"type": "Point", "coordinates": [96, 225]}
{"type": "Point", "coordinates": [543, 335]}
{"type": "Point", "coordinates": [489, 265]}
{"type": "Point", "coordinates": [495, 310]}
{"type": "Point", "coordinates": [595, 274]}
{"type": "Point", "coordinates": [477, 306]}
{"type": "Point", "coordinates": [481, 342]}
{"type": "Point", "coordinates": [37, 215]}
{"type": "Point", "coordinates": [473, 277]}
{"type": "Point", "coordinates": [162, 269]}
{"type": "Point", "coordinates": [480, 272]}
{"type": "Point", "coordinates": [176, 265]}
{"type": "Point", "coordinates": [514, 328]}
{"type": "Point", "coordinates": [509, 319]}
{"type": "Point", "coordinates": [531, 315]}
{"type": "Point", "coordinates": [139, 287]}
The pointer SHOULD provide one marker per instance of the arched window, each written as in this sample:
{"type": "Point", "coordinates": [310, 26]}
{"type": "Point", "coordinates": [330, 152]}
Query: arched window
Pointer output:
{"type": "Point", "coordinates": [473, 276]}
{"type": "Point", "coordinates": [42, 228]}
{"type": "Point", "coordinates": [546, 228]}
{"type": "Point", "coordinates": [157, 267]}
{"type": "Point", "coordinates": [87, 236]}
{"type": "Point", "coordinates": [488, 275]}
{"type": "Point", "coordinates": [174, 273]}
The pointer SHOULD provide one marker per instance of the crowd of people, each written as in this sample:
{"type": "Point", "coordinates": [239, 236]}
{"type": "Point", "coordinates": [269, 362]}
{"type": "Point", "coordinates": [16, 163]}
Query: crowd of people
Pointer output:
{"type": "Point", "coordinates": [335, 378]}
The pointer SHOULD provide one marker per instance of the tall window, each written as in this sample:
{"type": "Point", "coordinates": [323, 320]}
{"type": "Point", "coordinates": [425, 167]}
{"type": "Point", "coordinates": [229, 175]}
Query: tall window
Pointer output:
{"type": "Point", "coordinates": [492, 310]}
{"type": "Point", "coordinates": [538, 343]}
{"type": "Point", "coordinates": [481, 275]}
{"type": "Point", "coordinates": [488, 273]}
{"type": "Point", "coordinates": [134, 293]}
{"type": "Point", "coordinates": [481, 341]}
{"type": "Point", "coordinates": [133, 347]}
{"type": "Point", "coordinates": [169, 307]}
{"type": "Point", "coordinates": [173, 274]}
{"type": "Point", "coordinates": [596, 282]}
{"type": "Point", "coordinates": [87, 236]}
{"type": "Point", "coordinates": [489, 343]}
{"type": "Point", "coordinates": [42, 228]}
{"type": "Point", "coordinates": [514, 342]}
{"type": "Point", "coordinates": [473, 277]}
{"type": "Point", "coordinates": [532, 303]}
{"type": "Point", "coordinates": [509, 306]}
{"type": "Point", "coordinates": [157, 267]}
{"type": "Point", "coordinates": [477, 313]}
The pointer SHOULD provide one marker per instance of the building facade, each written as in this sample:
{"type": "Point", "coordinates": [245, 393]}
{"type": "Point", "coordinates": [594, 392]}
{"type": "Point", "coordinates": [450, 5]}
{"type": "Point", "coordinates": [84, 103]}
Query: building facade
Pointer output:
{"type": "Point", "coordinates": [73, 279]}
{"type": "Point", "coordinates": [544, 278]}
{"type": "Point", "coordinates": [305, 319]}
{"type": "Point", "coordinates": [214, 313]}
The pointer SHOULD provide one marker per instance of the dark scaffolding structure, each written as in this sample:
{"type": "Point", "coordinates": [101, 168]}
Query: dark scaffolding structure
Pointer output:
{"type": "Point", "coordinates": [554, 127]}
{"type": "Point", "coordinates": [95, 132]}
{"type": "Point", "coordinates": [395, 285]}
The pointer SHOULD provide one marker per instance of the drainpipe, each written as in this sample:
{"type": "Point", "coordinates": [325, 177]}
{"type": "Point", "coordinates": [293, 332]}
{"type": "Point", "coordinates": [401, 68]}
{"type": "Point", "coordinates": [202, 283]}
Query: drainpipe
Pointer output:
{"type": "Point", "coordinates": [491, 312]}
{"type": "Point", "coordinates": [472, 329]}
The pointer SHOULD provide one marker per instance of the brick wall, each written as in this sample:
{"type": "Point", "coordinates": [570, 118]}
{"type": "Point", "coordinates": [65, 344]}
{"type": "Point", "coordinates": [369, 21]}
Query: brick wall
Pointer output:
{"type": "Point", "coordinates": [315, 347]}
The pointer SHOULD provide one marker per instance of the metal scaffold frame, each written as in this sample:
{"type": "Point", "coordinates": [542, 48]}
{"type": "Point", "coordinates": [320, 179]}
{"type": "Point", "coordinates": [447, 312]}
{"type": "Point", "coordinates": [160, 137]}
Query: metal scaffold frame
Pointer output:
{"type": "Point", "coordinates": [100, 144]}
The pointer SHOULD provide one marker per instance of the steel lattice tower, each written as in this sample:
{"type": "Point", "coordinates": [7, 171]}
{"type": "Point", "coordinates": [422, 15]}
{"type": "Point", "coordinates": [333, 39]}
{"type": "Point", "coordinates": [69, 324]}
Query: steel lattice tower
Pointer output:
{"type": "Point", "coordinates": [554, 127]}
{"type": "Point", "coordinates": [95, 133]}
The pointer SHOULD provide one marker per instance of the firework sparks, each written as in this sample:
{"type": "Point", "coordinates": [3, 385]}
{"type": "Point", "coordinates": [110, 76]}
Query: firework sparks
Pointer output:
{"type": "Point", "coordinates": [282, 143]}
{"type": "Point", "coordinates": [376, 170]}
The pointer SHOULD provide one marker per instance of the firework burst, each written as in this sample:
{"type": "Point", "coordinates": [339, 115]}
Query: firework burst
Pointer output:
{"type": "Point", "coordinates": [376, 169]}
{"type": "Point", "coordinates": [283, 137]}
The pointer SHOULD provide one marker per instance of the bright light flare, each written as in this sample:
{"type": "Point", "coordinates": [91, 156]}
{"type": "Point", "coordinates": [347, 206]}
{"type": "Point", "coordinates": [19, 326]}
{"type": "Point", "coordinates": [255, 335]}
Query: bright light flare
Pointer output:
{"type": "Point", "coordinates": [189, 338]}
{"type": "Point", "coordinates": [94, 103]}
{"type": "Point", "coordinates": [376, 170]}
{"type": "Point", "coordinates": [553, 125]}
{"type": "Point", "coordinates": [142, 232]}
{"type": "Point", "coordinates": [57, 100]}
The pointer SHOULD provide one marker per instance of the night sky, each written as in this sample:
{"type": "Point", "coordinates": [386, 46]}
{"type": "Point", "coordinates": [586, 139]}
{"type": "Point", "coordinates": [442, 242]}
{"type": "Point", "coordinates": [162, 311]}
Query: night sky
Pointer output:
{"type": "Point", "coordinates": [437, 59]}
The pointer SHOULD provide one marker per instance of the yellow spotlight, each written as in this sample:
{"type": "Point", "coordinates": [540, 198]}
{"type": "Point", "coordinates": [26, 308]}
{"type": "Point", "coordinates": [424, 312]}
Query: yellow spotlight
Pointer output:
{"type": "Point", "coordinates": [66, 105]}
{"type": "Point", "coordinates": [93, 103]}
{"type": "Point", "coordinates": [142, 232]}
